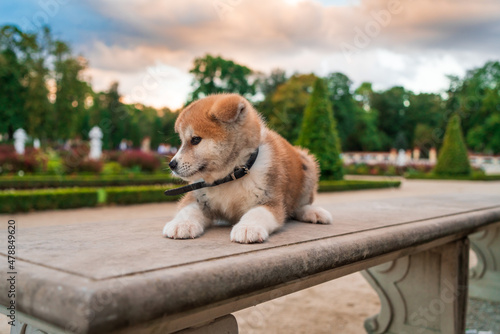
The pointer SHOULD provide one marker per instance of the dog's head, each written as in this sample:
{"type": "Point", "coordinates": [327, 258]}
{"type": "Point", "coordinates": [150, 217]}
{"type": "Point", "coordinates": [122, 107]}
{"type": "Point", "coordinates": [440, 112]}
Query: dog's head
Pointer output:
{"type": "Point", "coordinates": [218, 133]}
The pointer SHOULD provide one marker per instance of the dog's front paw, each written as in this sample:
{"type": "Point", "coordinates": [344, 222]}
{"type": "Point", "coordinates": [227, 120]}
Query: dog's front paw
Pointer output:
{"type": "Point", "coordinates": [182, 229]}
{"type": "Point", "coordinates": [314, 214]}
{"type": "Point", "coordinates": [248, 234]}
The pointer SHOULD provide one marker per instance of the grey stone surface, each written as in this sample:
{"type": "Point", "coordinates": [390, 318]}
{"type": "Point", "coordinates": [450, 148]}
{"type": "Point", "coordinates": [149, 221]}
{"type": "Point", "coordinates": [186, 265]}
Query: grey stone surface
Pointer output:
{"type": "Point", "coordinates": [483, 316]}
{"type": "Point", "coordinates": [101, 277]}
{"type": "Point", "coordinates": [120, 248]}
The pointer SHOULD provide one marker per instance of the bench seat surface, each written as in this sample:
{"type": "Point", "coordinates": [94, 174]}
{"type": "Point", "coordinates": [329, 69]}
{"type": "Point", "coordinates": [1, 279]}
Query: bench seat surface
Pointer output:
{"type": "Point", "coordinates": [147, 276]}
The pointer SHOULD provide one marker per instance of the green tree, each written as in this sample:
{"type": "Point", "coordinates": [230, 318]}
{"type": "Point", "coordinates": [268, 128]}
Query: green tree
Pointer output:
{"type": "Point", "coordinates": [13, 71]}
{"type": "Point", "coordinates": [476, 98]}
{"type": "Point", "coordinates": [364, 95]}
{"type": "Point", "coordinates": [453, 158]}
{"type": "Point", "coordinates": [218, 75]}
{"type": "Point", "coordinates": [424, 137]}
{"type": "Point", "coordinates": [168, 122]}
{"type": "Point", "coordinates": [424, 109]}
{"type": "Point", "coordinates": [84, 111]}
{"type": "Point", "coordinates": [485, 136]}
{"type": "Point", "coordinates": [345, 108]}
{"type": "Point", "coordinates": [289, 102]}
{"type": "Point", "coordinates": [400, 142]}
{"type": "Point", "coordinates": [392, 106]}
{"type": "Point", "coordinates": [144, 122]}
{"type": "Point", "coordinates": [27, 62]}
{"type": "Point", "coordinates": [37, 106]}
{"type": "Point", "coordinates": [112, 116]}
{"type": "Point", "coordinates": [270, 83]}
{"type": "Point", "coordinates": [267, 86]}
{"type": "Point", "coordinates": [71, 90]}
{"type": "Point", "coordinates": [39, 110]}
{"type": "Point", "coordinates": [367, 135]}
{"type": "Point", "coordinates": [319, 133]}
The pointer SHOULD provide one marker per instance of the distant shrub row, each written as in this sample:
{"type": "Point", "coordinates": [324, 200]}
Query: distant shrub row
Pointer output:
{"type": "Point", "coordinates": [46, 199]}
{"type": "Point", "coordinates": [345, 185]}
{"type": "Point", "coordinates": [474, 176]}
{"type": "Point", "coordinates": [37, 182]}
{"type": "Point", "coordinates": [66, 198]}
{"type": "Point", "coordinates": [137, 195]}
{"type": "Point", "coordinates": [384, 168]}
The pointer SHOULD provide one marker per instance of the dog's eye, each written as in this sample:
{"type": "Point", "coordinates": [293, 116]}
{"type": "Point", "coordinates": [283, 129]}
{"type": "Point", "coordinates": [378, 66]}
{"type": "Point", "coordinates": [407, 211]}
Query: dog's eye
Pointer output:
{"type": "Point", "coordinates": [195, 140]}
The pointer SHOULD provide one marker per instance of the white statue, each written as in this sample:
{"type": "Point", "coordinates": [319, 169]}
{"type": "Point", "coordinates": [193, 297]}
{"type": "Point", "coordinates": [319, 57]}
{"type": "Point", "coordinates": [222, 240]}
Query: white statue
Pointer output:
{"type": "Point", "coordinates": [20, 138]}
{"type": "Point", "coordinates": [36, 143]}
{"type": "Point", "coordinates": [95, 135]}
{"type": "Point", "coordinates": [146, 144]}
{"type": "Point", "coordinates": [401, 159]}
{"type": "Point", "coordinates": [432, 155]}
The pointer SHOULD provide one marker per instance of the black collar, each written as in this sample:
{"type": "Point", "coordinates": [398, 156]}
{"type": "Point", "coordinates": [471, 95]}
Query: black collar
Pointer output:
{"type": "Point", "coordinates": [238, 173]}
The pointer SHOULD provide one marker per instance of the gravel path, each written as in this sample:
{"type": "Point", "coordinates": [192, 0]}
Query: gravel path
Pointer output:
{"type": "Point", "coordinates": [483, 316]}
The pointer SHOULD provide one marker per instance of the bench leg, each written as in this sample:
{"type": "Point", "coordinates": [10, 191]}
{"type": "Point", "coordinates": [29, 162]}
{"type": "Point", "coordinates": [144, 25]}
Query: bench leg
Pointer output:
{"type": "Point", "coordinates": [485, 276]}
{"type": "Point", "coordinates": [422, 293]}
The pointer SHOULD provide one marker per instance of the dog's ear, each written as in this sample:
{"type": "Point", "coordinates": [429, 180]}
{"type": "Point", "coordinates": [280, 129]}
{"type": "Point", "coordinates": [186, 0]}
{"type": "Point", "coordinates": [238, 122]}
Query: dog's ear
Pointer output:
{"type": "Point", "coordinates": [229, 108]}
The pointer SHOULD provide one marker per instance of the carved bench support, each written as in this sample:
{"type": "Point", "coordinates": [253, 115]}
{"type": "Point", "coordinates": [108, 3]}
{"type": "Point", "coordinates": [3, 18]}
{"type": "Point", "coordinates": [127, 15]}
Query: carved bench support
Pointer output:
{"type": "Point", "coordinates": [422, 293]}
{"type": "Point", "coordinates": [485, 276]}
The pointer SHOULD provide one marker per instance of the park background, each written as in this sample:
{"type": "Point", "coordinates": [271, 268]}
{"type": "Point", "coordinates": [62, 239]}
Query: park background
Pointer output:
{"type": "Point", "coordinates": [394, 75]}
{"type": "Point", "coordinates": [66, 67]}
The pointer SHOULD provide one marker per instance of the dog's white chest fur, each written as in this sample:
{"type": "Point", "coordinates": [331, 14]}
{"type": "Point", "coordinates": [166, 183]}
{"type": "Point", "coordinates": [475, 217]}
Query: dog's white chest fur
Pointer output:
{"type": "Point", "coordinates": [231, 200]}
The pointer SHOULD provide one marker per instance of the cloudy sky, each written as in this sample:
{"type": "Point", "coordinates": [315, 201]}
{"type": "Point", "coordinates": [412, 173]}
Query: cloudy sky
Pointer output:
{"type": "Point", "coordinates": [149, 46]}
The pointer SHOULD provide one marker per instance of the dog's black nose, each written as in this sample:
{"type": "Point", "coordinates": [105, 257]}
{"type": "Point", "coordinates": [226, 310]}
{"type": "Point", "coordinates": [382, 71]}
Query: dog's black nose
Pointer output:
{"type": "Point", "coordinates": [172, 164]}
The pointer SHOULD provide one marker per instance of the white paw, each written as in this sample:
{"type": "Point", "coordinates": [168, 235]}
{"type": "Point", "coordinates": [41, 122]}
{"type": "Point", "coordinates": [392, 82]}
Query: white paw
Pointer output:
{"type": "Point", "coordinates": [315, 215]}
{"type": "Point", "coordinates": [247, 234]}
{"type": "Point", "coordinates": [182, 229]}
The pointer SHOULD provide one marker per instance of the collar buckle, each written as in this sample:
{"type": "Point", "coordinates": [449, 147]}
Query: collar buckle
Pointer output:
{"type": "Point", "coordinates": [240, 169]}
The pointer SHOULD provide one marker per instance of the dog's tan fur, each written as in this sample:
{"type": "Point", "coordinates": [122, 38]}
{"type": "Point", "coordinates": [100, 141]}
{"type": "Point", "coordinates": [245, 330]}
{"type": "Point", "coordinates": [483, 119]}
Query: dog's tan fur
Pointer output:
{"type": "Point", "coordinates": [280, 185]}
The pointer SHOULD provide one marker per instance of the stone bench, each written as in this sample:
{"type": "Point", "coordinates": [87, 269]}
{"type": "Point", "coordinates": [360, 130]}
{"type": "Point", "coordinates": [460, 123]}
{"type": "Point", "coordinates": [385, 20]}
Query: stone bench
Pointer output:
{"type": "Point", "coordinates": [123, 277]}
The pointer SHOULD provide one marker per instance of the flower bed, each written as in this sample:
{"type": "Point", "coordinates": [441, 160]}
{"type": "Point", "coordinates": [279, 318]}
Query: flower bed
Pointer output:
{"type": "Point", "coordinates": [385, 169]}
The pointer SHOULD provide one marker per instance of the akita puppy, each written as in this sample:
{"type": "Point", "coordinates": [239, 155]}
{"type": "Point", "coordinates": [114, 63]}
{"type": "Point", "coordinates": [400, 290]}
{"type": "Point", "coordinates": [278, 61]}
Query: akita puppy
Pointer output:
{"type": "Point", "coordinates": [225, 139]}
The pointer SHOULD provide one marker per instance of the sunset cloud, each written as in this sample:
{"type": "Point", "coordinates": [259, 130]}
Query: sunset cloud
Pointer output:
{"type": "Point", "coordinates": [389, 42]}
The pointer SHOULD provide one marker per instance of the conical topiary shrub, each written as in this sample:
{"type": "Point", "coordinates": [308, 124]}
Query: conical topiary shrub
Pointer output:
{"type": "Point", "coordinates": [453, 158]}
{"type": "Point", "coordinates": [319, 133]}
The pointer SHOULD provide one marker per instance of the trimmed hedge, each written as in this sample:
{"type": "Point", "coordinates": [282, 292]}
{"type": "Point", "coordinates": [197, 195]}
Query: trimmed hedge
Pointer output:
{"type": "Point", "coordinates": [136, 195]}
{"type": "Point", "coordinates": [473, 177]}
{"type": "Point", "coordinates": [65, 198]}
{"type": "Point", "coordinates": [319, 133]}
{"type": "Point", "coordinates": [43, 181]}
{"type": "Point", "coordinates": [46, 199]}
{"type": "Point", "coordinates": [346, 185]}
{"type": "Point", "coordinates": [453, 159]}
